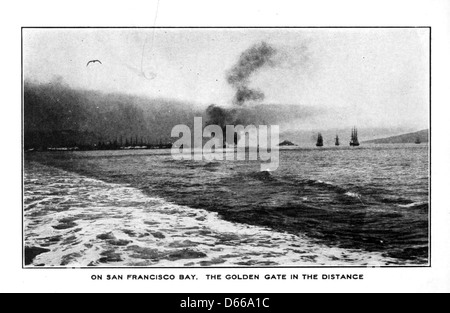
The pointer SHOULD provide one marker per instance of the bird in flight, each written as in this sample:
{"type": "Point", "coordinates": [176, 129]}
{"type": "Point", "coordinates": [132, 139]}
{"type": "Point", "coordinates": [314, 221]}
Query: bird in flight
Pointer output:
{"type": "Point", "coordinates": [93, 61]}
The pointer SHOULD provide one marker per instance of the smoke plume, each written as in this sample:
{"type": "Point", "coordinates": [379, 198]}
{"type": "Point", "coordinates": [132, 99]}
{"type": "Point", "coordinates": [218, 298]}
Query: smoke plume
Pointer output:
{"type": "Point", "coordinates": [251, 60]}
{"type": "Point", "coordinates": [221, 117]}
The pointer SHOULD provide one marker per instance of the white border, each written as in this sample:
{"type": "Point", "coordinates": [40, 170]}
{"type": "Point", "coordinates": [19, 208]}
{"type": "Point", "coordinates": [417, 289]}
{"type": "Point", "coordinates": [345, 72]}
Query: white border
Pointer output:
{"type": "Point", "coordinates": [222, 13]}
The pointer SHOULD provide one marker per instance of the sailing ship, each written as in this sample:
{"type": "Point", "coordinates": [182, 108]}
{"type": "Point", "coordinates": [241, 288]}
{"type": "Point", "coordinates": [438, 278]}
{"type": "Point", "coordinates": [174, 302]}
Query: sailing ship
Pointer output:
{"type": "Point", "coordinates": [354, 138]}
{"type": "Point", "coordinates": [417, 141]}
{"type": "Point", "coordinates": [319, 140]}
{"type": "Point", "coordinates": [336, 143]}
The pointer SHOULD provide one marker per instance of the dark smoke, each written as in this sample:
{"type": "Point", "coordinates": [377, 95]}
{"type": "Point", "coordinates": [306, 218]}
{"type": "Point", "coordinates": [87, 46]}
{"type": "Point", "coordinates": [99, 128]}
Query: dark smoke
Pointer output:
{"type": "Point", "coordinates": [243, 94]}
{"type": "Point", "coordinates": [250, 61]}
{"type": "Point", "coordinates": [221, 117]}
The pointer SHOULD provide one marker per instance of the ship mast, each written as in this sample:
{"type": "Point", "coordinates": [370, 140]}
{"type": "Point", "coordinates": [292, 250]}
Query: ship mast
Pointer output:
{"type": "Point", "coordinates": [354, 137]}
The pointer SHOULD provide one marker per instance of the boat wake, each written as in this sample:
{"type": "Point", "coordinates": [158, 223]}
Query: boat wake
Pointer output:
{"type": "Point", "coordinates": [74, 221]}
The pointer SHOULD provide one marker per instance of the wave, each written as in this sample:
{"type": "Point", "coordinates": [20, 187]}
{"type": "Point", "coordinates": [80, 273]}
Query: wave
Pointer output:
{"type": "Point", "coordinates": [353, 194]}
{"type": "Point", "coordinates": [332, 187]}
{"type": "Point", "coordinates": [415, 205]}
{"type": "Point", "coordinates": [287, 181]}
{"type": "Point", "coordinates": [369, 196]}
{"type": "Point", "coordinates": [262, 175]}
{"type": "Point", "coordinates": [328, 194]}
{"type": "Point", "coordinates": [323, 182]}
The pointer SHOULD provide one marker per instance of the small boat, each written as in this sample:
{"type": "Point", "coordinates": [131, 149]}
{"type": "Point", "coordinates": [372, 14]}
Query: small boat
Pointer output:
{"type": "Point", "coordinates": [336, 143]}
{"type": "Point", "coordinates": [417, 142]}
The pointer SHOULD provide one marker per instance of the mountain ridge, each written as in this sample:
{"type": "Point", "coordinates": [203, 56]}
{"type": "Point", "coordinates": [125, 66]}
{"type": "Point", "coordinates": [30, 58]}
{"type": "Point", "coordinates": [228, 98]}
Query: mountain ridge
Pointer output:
{"type": "Point", "coordinates": [404, 138]}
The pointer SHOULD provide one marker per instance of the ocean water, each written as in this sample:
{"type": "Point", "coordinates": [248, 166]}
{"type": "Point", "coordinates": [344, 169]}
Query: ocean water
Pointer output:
{"type": "Point", "coordinates": [330, 206]}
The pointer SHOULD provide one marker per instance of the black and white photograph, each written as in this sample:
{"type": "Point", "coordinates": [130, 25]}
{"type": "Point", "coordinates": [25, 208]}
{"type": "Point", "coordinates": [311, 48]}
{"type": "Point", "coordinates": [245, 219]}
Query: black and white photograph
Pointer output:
{"type": "Point", "coordinates": [230, 154]}
{"type": "Point", "coordinates": [226, 147]}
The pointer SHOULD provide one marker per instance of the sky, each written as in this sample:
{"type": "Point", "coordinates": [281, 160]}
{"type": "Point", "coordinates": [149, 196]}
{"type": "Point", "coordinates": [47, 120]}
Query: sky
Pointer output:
{"type": "Point", "coordinates": [375, 77]}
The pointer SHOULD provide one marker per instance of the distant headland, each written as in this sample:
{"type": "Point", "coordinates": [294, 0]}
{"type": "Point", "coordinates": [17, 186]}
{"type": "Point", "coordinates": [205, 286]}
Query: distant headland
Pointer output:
{"type": "Point", "coordinates": [415, 137]}
{"type": "Point", "coordinates": [286, 143]}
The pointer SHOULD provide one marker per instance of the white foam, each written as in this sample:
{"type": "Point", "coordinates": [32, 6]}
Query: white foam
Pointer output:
{"type": "Point", "coordinates": [352, 194]}
{"type": "Point", "coordinates": [410, 205]}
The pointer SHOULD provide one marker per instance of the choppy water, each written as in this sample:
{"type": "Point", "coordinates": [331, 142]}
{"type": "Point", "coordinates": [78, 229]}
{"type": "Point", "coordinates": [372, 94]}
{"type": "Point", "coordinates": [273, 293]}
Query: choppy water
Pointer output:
{"type": "Point", "coordinates": [336, 206]}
